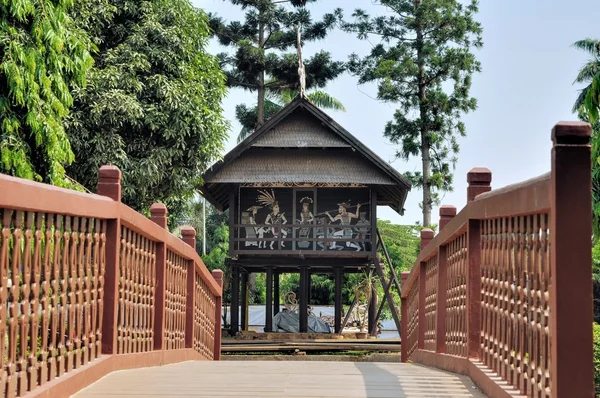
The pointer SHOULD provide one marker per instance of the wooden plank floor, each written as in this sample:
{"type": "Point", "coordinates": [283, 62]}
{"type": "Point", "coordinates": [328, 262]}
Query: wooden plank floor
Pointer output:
{"type": "Point", "coordinates": [283, 379]}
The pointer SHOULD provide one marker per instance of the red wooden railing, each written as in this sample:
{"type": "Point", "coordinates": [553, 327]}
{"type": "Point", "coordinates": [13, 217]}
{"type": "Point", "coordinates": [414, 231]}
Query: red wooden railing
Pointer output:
{"type": "Point", "coordinates": [89, 286]}
{"type": "Point", "coordinates": [503, 293]}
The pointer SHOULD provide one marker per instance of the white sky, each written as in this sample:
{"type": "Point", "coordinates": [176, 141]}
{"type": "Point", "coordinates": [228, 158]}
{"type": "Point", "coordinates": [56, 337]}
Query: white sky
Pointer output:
{"type": "Point", "coordinates": [524, 89]}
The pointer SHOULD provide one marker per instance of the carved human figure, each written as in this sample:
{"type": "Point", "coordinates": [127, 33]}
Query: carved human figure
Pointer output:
{"type": "Point", "coordinates": [362, 232]}
{"type": "Point", "coordinates": [276, 218]}
{"type": "Point", "coordinates": [344, 218]}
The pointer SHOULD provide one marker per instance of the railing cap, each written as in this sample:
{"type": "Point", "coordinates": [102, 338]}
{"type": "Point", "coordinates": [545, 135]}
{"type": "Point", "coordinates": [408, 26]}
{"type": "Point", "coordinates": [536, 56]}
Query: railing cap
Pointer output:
{"type": "Point", "coordinates": [158, 209]}
{"type": "Point", "coordinates": [188, 231]}
{"type": "Point", "coordinates": [108, 173]}
{"type": "Point", "coordinates": [217, 274]}
{"type": "Point", "coordinates": [571, 133]}
{"type": "Point", "coordinates": [447, 211]}
{"type": "Point", "coordinates": [427, 233]}
{"type": "Point", "coordinates": [479, 176]}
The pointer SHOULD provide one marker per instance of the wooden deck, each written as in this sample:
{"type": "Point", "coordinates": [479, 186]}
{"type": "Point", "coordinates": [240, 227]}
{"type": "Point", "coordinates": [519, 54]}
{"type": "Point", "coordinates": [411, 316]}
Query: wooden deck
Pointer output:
{"type": "Point", "coordinates": [283, 379]}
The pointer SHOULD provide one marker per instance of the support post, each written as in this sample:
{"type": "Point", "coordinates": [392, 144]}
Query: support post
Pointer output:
{"type": "Point", "coordinates": [269, 305]}
{"type": "Point", "coordinates": [373, 217]}
{"type": "Point", "coordinates": [404, 331]}
{"type": "Point", "coordinates": [235, 299]}
{"type": "Point", "coordinates": [447, 213]}
{"type": "Point", "coordinates": [571, 297]}
{"type": "Point", "coordinates": [303, 312]}
{"type": "Point", "coordinates": [373, 311]}
{"type": "Point", "coordinates": [440, 334]}
{"type": "Point", "coordinates": [109, 184]}
{"type": "Point", "coordinates": [218, 275]}
{"type": "Point", "coordinates": [188, 235]}
{"type": "Point", "coordinates": [338, 300]}
{"type": "Point", "coordinates": [404, 319]}
{"type": "Point", "coordinates": [422, 321]}
{"type": "Point", "coordinates": [276, 294]}
{"type": "Point", "coordinates": [158, 214]}
{"type": "Point", "coordinates": [244, 300]}
{"type": "Point", "coordinates": [479, 180]}
{"type": "Point", "coordinates": [474, 289]}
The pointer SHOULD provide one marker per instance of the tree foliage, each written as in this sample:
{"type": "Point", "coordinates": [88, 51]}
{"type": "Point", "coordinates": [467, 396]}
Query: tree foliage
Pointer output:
{"type": "Point", "coordinates": [153, 103]}
{"type": "Point", "coordinates": [43, 56]}
{"type": "Point", "coordinates": [424, 64]}
{"type": "Point", "coordinates": [259, 60]}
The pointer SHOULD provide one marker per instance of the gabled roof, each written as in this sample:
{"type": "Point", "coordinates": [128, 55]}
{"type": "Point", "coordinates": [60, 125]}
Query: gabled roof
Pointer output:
{"type": "Point", "coordinates": [303, 130]}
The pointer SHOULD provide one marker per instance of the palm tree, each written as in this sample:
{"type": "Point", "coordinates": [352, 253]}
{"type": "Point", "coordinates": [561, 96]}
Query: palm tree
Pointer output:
{"type": "Point", "coordinates": [589, 74]}
{"type": "Point", "coordinates": [587, 105]}
{"type": "Point", "coordinates": [274, 101]}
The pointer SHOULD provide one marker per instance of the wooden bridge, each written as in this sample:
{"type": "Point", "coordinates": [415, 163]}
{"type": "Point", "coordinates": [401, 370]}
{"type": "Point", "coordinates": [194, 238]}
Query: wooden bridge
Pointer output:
{"type": "Point", "coordinates": [502, 295]}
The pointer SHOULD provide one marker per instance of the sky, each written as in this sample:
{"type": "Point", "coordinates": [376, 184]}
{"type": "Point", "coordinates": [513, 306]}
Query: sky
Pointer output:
{"type": "Point", "coordinates": [525, 88]}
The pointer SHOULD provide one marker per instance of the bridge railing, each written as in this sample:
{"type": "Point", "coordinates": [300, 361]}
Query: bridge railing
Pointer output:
{"type": "Point", "coordinates": [89, 286]}
{"type": "Point", "coordinates": [503, 293]}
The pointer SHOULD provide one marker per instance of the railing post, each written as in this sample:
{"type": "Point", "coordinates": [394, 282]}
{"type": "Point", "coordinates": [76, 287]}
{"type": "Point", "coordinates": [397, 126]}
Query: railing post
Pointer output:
{"type": "Point", "coordinates": [426, 237]}
{"type": "Point", "coordinates": [404, 322]}
{"type": "Point", "coordinates": [218, 275]}
{"type": "Point", "coordinates": [158, 214]}
{"type": "Point", "coordinates": [188, 235]}
{"type": "Point", "coordinates": [479, 180]}
{"type": "Point", "coordinates": [109, 184]}
{"type": "Point", "coordinates": [447, 213]}
{"type": "Point", "coordinates": [572, 371]}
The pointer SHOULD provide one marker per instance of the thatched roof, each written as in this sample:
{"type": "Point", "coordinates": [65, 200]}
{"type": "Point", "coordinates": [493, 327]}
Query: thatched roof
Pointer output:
{"type": "Point", "coordinates": [302, 145]}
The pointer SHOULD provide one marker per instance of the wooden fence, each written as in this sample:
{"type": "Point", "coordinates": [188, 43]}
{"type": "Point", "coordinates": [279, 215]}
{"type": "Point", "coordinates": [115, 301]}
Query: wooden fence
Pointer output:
{"type": "Point", "coordinates": [89, 286]}
{"type": "Point", "coordinates": [504, 293]}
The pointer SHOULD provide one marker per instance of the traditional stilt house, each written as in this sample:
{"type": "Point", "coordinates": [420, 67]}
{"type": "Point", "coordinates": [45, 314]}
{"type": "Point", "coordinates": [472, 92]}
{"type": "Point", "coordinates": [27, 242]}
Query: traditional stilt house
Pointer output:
{"type": "Point", "coordinates": [302, 195]}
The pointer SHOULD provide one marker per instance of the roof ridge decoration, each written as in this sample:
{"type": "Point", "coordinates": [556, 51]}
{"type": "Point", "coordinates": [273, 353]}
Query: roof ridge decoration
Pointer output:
{"type": "Point", "coordinates": [301, 70]}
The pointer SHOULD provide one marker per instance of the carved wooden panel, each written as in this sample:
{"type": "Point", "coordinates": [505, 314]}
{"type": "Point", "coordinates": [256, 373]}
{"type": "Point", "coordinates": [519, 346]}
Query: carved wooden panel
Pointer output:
{"type": "Point", "coordinates": [51, 295]}
{"type": "Point", "coordinates": [137, 280]}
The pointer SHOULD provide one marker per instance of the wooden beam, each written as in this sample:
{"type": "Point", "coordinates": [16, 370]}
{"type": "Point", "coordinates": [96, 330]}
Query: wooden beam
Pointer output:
{"type": "Point", "coordinates": [388, 295]}
{"type": "Point", "coordinates": [269, 305]}
{"type": "Point", "coordinates": [276, 294]}
{"type": "Point", "coordinates": [303, 311]}
{"type": "Point", "coordinates": [338, 276]}
{"type": "Point", "coordinates": [244, 300]}
{"type": "Point", "coordinates": [235, 299]}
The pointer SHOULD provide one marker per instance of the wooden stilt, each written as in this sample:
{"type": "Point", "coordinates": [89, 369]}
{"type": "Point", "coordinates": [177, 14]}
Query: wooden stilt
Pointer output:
{"type": "Point", "coordinates": [338, 300]}
{"type": "Point", "coordinates": [269, 304]}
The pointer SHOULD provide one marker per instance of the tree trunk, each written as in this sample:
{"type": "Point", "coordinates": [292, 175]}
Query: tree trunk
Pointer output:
{"type": "Point", "coordinates": [425, 156]}
{"type": "Point", "coordinates": [260, 109]}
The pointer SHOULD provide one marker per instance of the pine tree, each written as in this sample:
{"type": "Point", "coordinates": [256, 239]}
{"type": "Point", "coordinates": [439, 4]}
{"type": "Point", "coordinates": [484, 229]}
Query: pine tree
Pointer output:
{"type": "Point", "coordinates": [43, 56]}
{"type": "Point", "coordinates": [260, 61]}
{"type": "Point", "coordinates": [424, 64]}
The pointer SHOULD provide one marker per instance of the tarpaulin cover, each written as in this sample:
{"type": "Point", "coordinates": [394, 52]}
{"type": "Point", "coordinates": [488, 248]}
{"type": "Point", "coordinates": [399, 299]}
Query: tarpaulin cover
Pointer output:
{"type": "Point", "coordinates": [290, 322]}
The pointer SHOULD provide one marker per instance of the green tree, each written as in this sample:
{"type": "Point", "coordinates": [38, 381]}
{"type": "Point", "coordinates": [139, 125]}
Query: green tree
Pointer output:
{"type": "Point", "coordinates": [424, 64]}
{"type": "Point", "coordinates": [259, 62]}
{"type": "Point", "coordinates": [153, 103]}
{"type": "Point", "coordinates": [274, 102]}
{"type": "Point", "coordinates": [586, 105]}
{"type": "Point", "coordinates": [589, 74]}
{"type": "Point", "coordinates": [43, 56]}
